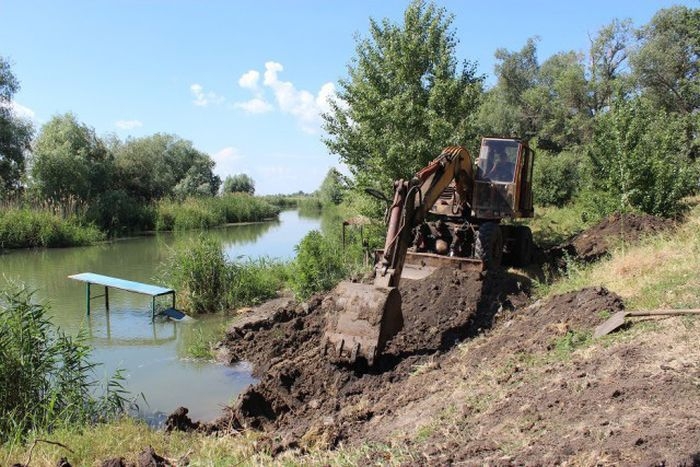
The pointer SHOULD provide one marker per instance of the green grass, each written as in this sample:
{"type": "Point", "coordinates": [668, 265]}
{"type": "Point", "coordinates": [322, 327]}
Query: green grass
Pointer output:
{"type": "Point", "coordinates": [30, 228]}
{"type": "Point", "coordinates": [205, 213]}
{"type": "Point", "coordinates": [46, 376]}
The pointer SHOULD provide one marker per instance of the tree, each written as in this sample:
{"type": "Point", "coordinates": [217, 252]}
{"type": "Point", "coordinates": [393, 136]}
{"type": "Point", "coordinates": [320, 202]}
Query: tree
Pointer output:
{"type": "Point", "coordinates": [70, 161]}
{"type": "Point", "coordinates": [15, 134]}
{"type": "Point", "coordinates": [404, 99]}
{"type": "Point", "coordinates": [333, 187]}
{"type": "Point", "coordinates": [240, 183]}
{"type": "Point", "coordinates": [666, 63]}
{"type": "Point", "coordinates": [162, 165]}
{"type": "Point", "coordinates": [607, 72]}
{"type": "Point", "coordinates": [638, 160]}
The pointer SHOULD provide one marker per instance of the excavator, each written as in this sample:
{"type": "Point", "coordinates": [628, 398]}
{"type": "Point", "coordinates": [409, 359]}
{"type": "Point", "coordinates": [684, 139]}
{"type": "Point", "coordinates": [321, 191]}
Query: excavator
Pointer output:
{"type": "Point", "coordinates": [448, 214]}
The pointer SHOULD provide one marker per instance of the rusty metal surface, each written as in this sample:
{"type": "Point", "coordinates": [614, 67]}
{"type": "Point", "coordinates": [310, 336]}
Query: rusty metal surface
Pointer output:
{"type": "Point", "coordinates": [432, 261]}
{"type": "Point", "coordinates": [360, 319]}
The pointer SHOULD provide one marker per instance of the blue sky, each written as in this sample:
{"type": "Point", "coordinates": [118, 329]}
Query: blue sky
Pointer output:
{"type": "Point", "coordinates": [245, 81]}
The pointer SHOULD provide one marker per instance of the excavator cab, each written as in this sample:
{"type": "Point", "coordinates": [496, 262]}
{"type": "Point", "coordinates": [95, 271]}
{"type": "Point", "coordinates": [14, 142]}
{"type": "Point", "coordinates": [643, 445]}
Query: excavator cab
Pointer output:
{"type": "Point", "coordinates": [503, 184]}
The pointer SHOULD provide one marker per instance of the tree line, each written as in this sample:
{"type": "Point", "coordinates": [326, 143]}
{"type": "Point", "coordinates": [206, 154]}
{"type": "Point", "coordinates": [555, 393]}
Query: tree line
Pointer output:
{"type": "Point", "coordinates": [112, 182]}
{"type": "Point", "coordinates": [615, 127]}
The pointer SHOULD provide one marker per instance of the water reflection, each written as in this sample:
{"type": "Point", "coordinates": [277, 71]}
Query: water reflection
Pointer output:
{"type": "Point", "coordinates": [125, 337]}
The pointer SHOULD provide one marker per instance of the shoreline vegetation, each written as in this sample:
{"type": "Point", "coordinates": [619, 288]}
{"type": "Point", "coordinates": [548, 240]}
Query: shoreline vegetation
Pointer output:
{"type": "Point", "coordinates": [26, 225]}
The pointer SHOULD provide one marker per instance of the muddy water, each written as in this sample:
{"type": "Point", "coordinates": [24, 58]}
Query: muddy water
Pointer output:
{"type": "Point", "coordinates": [151, 353]}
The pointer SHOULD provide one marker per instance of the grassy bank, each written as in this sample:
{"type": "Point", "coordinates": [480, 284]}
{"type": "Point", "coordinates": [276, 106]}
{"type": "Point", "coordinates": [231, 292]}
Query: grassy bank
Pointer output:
{"type": "Point", "coordinates": [26, 226]}
{"type": "Point", "coordinates": [204, 213]}
{"type": "Point", "coordinates": [662, 271]}
{"type": "Point", "coordinates": [29, 228]}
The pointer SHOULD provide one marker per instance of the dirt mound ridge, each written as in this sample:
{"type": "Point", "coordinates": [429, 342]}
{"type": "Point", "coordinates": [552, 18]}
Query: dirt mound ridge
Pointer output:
{"type": "Point", "coordinates": [303, 398]}
{"type": "Point", "coordinates": [596, 241]}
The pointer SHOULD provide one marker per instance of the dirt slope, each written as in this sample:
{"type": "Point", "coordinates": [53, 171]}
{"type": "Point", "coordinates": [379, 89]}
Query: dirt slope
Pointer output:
{"type": "Point", "coordinates": [477, 375]}
{"type": "Point", "coordinates": [481, 375]}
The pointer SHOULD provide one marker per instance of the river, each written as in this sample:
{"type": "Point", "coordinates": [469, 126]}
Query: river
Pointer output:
{"type": "Point", "coordinates": [152, 354]}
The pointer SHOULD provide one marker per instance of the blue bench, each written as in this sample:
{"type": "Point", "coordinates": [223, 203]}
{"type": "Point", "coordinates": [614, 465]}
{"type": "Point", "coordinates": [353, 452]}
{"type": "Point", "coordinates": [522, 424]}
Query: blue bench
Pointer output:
{"type": "Point", "coordinates": [91, 278]}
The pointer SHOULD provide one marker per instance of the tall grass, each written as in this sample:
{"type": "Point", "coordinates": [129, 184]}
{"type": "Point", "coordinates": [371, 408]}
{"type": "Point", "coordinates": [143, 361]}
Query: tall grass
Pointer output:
{"type": "Point", "coordinates": [207, 282]}
{"type": "Point", "coordinates": [205, 213]}
{"type": "Point", "coordinates": [29, 228]}
{"type": "Point", "coordinates": [46, 376]}
{"type": "Point", "coordinates": [662, 270]}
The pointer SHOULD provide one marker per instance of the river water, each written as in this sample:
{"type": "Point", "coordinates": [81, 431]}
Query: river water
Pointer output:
{"type": "Point", "coordinates": [152, 354]}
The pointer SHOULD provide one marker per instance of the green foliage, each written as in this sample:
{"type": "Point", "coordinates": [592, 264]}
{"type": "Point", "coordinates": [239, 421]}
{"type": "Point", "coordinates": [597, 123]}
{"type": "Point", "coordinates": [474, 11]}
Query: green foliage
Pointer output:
{"type": "Point", "coordinates": [70, 161]}
{"type": "Point", "coordinates": [116, 212]}
{"type": "Point", "coordinates": [205, 213]}
{"type": "Point", "coordinates": [198, 271]}
{"type": "Point", "coordinates": [639, 158]}
{"type": "Point", "coordinates": [15, 134]}
{"type": "Point", "coordinates": [555, 177]}
{"type": "Point", "coordinates": [240, 183]}
{"type": "Point", "coordinates": [163, 165]}
{"type": "Point", "coordinates": [318, 266]}
{"type": "Point", "coordinates": [333, 188]}
{"type": "Point", "coordinates": [207, 282]}
{"type": "Point", "coordinates": [404, 99]}
{"type": "Point", "coordinates": [30, 228]}
{"type": "Point", "coordinates": [45, 375]}
{"type": "Point", "coordinates": [666, 63]}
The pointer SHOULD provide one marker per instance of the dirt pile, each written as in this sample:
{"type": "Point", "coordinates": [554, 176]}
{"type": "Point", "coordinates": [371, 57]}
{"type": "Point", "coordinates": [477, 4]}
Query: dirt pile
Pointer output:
{"type": "Point", "coordinates": [595, 242]}
{"type": "Point", "coordinates": [305, 400]}
{"type": "Point", "coordinates": [510, 392]}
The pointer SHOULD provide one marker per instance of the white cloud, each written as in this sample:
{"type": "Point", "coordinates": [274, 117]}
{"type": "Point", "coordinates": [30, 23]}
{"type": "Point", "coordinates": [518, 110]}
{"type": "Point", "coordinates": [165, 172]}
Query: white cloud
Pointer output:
{"type": "Point", "coordinates": [254, 106]}
{"type": "Point", "coordinates": [128, 124]}
{"type": "Point", "coordinates": [228, 162]}
{"type": "Point", "coordinates": [203, 99]}
{"type": "Point", "coordinates": [303, 105]}
{"type": "Point", "coordinates": [19, 111]}
{"type": "Point", "coordinates": [249, 80]}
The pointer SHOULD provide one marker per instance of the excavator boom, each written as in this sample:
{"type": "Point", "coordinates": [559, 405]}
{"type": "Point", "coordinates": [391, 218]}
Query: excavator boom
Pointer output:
{"type": "Point", "coordinates": [361, 318]}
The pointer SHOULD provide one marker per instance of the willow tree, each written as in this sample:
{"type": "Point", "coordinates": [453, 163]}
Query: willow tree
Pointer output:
{"type": "Point", "coordinates": [406, 96]}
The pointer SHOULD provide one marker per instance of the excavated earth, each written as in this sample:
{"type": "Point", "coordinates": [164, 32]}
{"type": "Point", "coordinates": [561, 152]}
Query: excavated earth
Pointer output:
{"type": "Point", "coordinates": [596, 241]}
{"type": "Point", "coordinates": [478, 375]}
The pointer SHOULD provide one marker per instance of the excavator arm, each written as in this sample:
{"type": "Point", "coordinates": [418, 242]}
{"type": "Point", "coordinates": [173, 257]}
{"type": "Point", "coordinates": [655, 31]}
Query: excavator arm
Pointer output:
{"type": "Point", "coordinates": [413, 199]}
{"type": "Point", "coordinates": [361, 318]}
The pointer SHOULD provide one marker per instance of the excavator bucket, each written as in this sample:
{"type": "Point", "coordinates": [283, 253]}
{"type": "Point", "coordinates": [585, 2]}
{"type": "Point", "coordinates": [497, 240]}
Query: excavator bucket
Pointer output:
{"type": "Point", "coordinates": [360, 319]}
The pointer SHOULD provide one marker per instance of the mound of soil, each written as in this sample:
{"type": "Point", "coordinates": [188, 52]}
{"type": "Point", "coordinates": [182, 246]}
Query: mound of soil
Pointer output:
{"type": "Point", "coordinates": [478, 375]}
{"type": "Point", "coordinates": [596, 241]}
{"type": "Point", "coordinates": [303, 399]}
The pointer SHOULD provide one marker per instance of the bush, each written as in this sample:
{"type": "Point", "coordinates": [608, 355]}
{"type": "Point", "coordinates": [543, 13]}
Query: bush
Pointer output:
{"type": "Point", "coordinates": [640, 158]}
{"type": "Point", "coordinates": [555, 178]}
{"type": "Point", "coordinates": [318, 265]}
{"type": "Point", "coordinates": [45, 375]}
{"type": "Point", "coordinates": [207, 282]}
{"type": "Point", "coordinates": [28, 228]}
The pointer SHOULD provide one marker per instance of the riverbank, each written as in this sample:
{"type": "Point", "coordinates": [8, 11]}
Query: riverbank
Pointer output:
{"type": "Point", "coordinates": [33, 226]}
{"type": "Point", "coordinates": [516, 379]}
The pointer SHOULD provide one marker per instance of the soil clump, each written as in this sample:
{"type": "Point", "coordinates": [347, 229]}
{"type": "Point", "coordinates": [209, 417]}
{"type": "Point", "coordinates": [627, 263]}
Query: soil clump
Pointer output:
{"type": "Point", "coordinates": [596, 241]}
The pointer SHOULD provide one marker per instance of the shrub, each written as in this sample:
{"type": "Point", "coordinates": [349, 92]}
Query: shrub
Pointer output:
{"type": "Point", "coordinates": [45, 375]}
{"type": "Point", "coordinates": [555, 178]}
{"type": "Point", "coordinates": [207, 282]}
{"type": "Point", "coordinates": [318, 265]}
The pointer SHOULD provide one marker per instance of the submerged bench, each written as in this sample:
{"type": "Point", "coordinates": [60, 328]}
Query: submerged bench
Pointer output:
{"type": "Point", "coordinates": [91, 278]}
